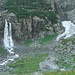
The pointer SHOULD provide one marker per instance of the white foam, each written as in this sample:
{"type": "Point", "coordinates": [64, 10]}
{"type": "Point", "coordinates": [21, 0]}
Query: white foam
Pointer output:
{"type": "Point", "coordinates": [8, 43]}
{"type": "Point", "coordinates": [69, 30]}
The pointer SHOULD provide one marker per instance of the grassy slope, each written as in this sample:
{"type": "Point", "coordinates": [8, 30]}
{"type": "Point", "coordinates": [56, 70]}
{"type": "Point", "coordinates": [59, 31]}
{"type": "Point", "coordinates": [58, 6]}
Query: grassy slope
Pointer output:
{"type": "Point", "coordinates": [1, 49]}
{"type": "Point", "coordinates": [43, 40]}
{"type": "Point", "coordinates": [61, 73]}
{"type": "Point", "coordinates": [30, 64]}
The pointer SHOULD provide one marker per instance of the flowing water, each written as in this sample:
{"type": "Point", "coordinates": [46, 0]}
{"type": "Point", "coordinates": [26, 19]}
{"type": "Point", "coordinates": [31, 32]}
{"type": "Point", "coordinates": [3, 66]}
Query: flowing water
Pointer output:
{"type": "Point", "coordinates": [69, 30]}
{"type": "Point", "coordinates": [8, 44]}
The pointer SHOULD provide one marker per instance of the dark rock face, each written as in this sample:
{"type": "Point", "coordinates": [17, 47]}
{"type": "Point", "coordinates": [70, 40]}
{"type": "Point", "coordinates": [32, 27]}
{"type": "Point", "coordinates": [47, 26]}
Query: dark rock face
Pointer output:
{"type": "Point", "coordinates": [22, 28]}
{"type": "Point", "coordinates": [66, 9]}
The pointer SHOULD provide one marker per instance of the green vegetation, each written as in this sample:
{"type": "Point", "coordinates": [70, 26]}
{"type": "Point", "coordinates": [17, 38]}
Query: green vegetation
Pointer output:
{"type": "Point", "coordinates": [28, 42]}
{"type": "Point", "coordinates": [46, 73]}
{"type": "Point", "coordinates": [28, 65]}
{"type": "Point", "coordinates": [27, 8]}
{"type": "Point", "coordinates": [45, 39]}
{"type": "Point", "coordinates": [1, 49]}
{"type": "Point", "coordinates": [60, 73]}
{"type": "Point", "coordinates": [72, 39]}
{"type": "Point", "coordinates": [65, 53]}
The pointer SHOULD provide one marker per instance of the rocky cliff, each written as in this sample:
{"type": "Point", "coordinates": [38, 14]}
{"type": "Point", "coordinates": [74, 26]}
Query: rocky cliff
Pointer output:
{"type": "Point", "coordinates": [21, 28]}
{"type": "Point", "coordinates": [66, 9]}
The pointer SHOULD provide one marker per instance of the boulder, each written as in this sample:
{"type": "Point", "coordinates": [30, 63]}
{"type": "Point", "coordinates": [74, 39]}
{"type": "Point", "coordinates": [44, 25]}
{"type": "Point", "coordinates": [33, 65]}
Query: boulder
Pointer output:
{"type": "Point", "coordinates": [49, 64]}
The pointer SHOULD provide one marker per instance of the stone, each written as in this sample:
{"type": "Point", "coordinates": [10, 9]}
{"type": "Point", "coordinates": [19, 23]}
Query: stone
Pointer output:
{"type": "Point", "coordinates": [11, 14]}
{"type": "Point", "coordinates": [37, 73]}
{"type": "Point", "coordinates": [66, 9]}
{"type": "Point", "coordinates": [22, 28]}
{"type": "Point", "coordinates": [49, 64]}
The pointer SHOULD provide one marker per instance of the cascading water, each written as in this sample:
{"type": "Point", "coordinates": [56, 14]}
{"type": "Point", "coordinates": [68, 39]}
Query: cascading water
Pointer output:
{"type": "Point", "coordinates": [69, 30]}
{"type": "Point", "coordinates": [11, 44]}
{"type": "Point", "coordinates": [8, 43]}
{"type": "Point", "coordinates": [5, 40]}
{"type": "Point", "coordinates": [58, 51]}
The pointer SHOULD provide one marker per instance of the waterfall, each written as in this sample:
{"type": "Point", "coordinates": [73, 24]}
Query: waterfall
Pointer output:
{"type": "Point", "coordinates": [11, 44]}
{"type": "Point", "coordinates": [69, 30]}
{"type": "Point", "coordinates": [8, 43]}
{"type": "Point", "coordinates": [5, 40]}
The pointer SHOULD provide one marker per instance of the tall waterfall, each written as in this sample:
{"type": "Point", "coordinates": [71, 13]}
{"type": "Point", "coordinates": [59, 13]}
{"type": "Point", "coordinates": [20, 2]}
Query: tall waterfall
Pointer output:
{"type": "Point", "coordinates": [8, 44]}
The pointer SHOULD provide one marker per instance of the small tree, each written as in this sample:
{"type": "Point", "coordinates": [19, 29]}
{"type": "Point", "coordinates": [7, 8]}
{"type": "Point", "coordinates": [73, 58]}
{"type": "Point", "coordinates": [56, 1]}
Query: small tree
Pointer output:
{"type": "Point", "coordinates": [31, 8]}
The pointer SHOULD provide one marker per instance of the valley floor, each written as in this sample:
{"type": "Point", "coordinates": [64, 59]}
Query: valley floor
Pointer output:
{"type": "Point", "coordinates": [31, 54]}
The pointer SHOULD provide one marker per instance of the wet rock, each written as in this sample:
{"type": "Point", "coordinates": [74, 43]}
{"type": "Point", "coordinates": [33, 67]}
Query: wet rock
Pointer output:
{"type": "Point", "coordinates": [66, 9]}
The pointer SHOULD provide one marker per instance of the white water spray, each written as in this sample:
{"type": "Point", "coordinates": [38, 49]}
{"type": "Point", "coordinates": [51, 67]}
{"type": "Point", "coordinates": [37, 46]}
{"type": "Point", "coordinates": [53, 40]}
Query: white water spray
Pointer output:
{"type": "Point", "coordinates": [8, 43]}
{"type": "Point", "coordinates": [5, 40]}
{"type": "Point", "coordinates": [69, 30]}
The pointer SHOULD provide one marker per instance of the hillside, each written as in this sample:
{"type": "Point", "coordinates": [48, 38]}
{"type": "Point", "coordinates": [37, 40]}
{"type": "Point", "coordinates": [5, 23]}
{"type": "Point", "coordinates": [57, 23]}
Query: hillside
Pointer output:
{"type": "Point", "coordinates": [37, 37]}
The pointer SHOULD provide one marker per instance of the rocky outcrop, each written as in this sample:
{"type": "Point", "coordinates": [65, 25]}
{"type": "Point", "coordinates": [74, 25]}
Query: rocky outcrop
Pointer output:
{"type": "Point", "coordinates": [66, 9]}
{"type": "Point", "coordinates": [49, 64]}
{"type": "Point", "coordinates": [65, 52]}
{"type": "Point", "coordinates": [61, 56]}
{"type": "Point", "coordinates": [22, 28]}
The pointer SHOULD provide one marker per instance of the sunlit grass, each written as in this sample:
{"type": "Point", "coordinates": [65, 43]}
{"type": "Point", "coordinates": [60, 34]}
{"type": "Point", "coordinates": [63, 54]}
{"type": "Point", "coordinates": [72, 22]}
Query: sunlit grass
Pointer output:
{"type": "Point", "coordinates": [44, 73]}
{"type": "Point", "coordinates": [60, 73]}
{"type": "Point", "coordinates": [28, 42]}
{"type": "Point", "coordinates": [45, 39]}
{"type": "Point", "coordinates": [28, 64]}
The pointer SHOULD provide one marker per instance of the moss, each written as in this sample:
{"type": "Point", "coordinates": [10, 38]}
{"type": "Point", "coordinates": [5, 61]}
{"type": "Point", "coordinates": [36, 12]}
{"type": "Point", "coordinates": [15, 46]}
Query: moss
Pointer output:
{"type": "Point", "coordinates": [1, 50]}
{"type": "Point", "coordinates": [68, 40]}
{"type": "Point", "coordinates": [28, 42]}
{"type": "Point", "coordinates": [47, 38]}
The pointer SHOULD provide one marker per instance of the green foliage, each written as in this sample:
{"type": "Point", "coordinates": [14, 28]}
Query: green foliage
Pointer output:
{"type": "Point", "coordinates": [29, 64]}
{"type": "Point", "coordinates": [1, 50]}
{"type": "Point", "coordinates": [28, 42]}
{"type": "Point", "coordinates": [45, 73]}
{"type": "Point", "coordinates": [60, 73]}
{"type": "Point", "coordinates": [27, 8]}
{"type": "Point", "coordinates": [68, 40]}
{"type": "Point", "coordinates": [45, 39]}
